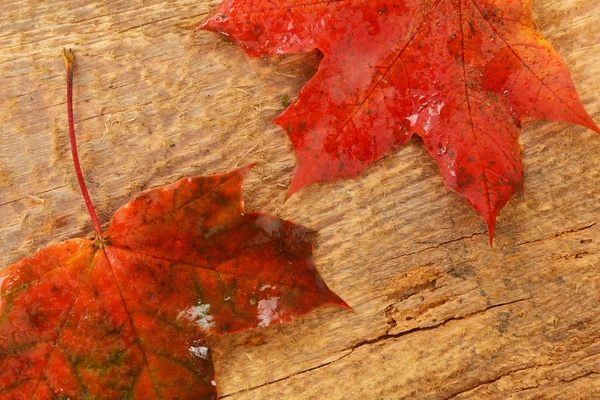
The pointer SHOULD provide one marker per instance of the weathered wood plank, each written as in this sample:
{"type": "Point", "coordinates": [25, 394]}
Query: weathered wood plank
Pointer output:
{"type": "Point", "coordinates": [438, 313]}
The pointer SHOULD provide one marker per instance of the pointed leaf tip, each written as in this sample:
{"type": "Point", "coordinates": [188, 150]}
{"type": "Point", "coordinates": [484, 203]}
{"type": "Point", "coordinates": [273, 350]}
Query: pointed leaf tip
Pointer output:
{"type": "Point", "coordinates": [299, 181]}
{"type": "Point", "coordinates": [491, 226]}
{"type": "Point", "coordinates": [245, 170]}
{"type": "Point", "coordinates": [343, 304]}
{"type": "Point", "coordinates": [207, 25]}
{"type": "Point", "coordinates": [595, 127]}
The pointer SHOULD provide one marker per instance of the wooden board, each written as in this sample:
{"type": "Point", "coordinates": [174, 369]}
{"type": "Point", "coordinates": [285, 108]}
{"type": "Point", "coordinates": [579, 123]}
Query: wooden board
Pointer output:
{"type": "Point", "coordinates": [438, 313]}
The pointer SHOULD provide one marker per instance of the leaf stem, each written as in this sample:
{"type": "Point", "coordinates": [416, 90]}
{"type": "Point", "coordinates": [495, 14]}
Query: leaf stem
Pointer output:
{"type": "Point", "coordinates": [68, 58]}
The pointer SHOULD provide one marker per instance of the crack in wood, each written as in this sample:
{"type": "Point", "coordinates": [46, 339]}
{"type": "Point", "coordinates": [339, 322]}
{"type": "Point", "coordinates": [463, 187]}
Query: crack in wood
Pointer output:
{"type": "Point", "coordinates": [35, 195]}
{"type": "Point", "coordinates": [590, 225]}
{"type": "Point", "coordinates": [388, 336]}
{"type": "Point", "coordinates": [287, 377]}
{"type": "Point", "coordinates": [534, 366]}
{"type": "Point", "coordinates": [382, 338]}
{"type": "Point", "coordinates": [491, 381]}
{"type": "Point", "coordinates": [586, 227]}
{"type": "Point", "coordinates": [432, 247]}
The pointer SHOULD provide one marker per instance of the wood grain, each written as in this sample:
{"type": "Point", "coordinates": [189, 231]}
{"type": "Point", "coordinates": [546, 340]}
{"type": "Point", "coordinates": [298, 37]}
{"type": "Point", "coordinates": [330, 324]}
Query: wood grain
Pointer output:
{"type": "Point", "coordinates": [438, 313]}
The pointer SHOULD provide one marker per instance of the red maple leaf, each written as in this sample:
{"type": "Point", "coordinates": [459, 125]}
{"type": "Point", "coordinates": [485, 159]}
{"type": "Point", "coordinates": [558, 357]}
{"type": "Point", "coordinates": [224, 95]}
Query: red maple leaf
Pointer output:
{"type": "Point", "coordinates": [126, 315]}
{"type": "Point", "coordinates": [462, 74]}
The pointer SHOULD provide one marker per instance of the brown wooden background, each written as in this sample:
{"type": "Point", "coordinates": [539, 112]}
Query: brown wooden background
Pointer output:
{"type": "Point", "coordinates": [438, 313]}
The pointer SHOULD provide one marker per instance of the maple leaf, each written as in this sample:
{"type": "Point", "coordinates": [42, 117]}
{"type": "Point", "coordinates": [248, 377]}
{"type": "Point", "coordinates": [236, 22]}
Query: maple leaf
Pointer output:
{"type": "Point", "coordinates": [462, 74]}
{"type": "Point", "coordinates": [126, 315]}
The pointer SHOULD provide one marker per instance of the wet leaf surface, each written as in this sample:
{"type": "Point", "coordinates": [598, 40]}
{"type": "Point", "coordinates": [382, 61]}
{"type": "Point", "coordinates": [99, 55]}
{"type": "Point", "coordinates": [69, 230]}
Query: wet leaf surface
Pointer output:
{"type": "Point", "coordinates": [127, 316]}
{"type": "Point", "coordinates": [461, 74]}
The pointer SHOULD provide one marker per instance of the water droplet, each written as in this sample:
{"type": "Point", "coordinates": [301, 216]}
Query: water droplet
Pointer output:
{"type": "Point", "coordinates": [267, 311]}
{"type": "Point", "coordinates": [413, 119]}
{"type": "Point", "coordinates": [198, 315]}
{"type": "Point", "coordinates": [199, 351]}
